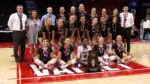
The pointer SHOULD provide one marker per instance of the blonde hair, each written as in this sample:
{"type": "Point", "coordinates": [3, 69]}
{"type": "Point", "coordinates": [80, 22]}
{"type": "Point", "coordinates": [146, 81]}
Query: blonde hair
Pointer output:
{"type": "Point", "coordinates": [47, 22]}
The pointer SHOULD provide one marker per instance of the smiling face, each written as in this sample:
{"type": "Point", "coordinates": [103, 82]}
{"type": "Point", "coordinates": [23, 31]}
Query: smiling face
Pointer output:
{"type": "Point", "coordinates": [67, 42]}
{"type": "Point", "coordinates": [119, 39]}
{"type": "Point", "coordinates": [60, 22]}
{"type": "Point", "coordinates": [81, 7]}
{"type": "Point", "coordinates": [101, 40]}
{"type": "Point", "coordinates": [34, 14]}
{"type": "Point", "coordinates": [82, 19]}
{"type": "Point", "coordinates": [104, 11]}
{"type": "Point", "coordinates": [114, 20]}
{"type": "Point", "coordinates": [72, 9]}
{"type": "Point", "coordinates": [48, 23]}
{"type": "Point", "coordinates": [72, 19]}
{"type": "Point", "coordinates": [85, 42]}
{"type": "Point", "coordinates": [93, 11]}
{"type": "Point", "coordinates": [49, 10]}
{"type": "Point", "coordinates": [62, 10]}
{"type": "Point", "coordinates": [95, 21]}
{"type": "Point", "coordinates": [115, 11]}
{"type": "Point", "coordinates": [45, 43]}
{"type": "Point", "coordinates": [125, 8]}
{"type": "Point", "coordinates": [19, 9]}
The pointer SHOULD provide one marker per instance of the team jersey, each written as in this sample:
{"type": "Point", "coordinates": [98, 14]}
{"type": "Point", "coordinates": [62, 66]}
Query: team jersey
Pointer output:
{"type": "Point", "coordinates": [119, 49]}
{"type": "Point", "coordinates": [83, 29]}
{"type": "Point", "coordinates": [66, 53]}
{"type": "Point", "coordinates": [48, 31]}
{"type": "Point", "coordinates": [59, 32]}
{"type": "Point", "coordinates": [94, 31]}
{"type": "Point", "coordinates": [71, 28]}
{"type": "Point", "coordinates": [83, 53]}
{"type": "Point", "coordinates": [102, 49]}
{"type": "Point", "coordinates": [44, 54]}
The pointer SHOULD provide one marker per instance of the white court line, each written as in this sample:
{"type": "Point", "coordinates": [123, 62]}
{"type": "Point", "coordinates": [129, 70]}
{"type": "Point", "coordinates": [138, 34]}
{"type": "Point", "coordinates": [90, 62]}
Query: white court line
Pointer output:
{"type": "Point", "coordinates": [78, 74]}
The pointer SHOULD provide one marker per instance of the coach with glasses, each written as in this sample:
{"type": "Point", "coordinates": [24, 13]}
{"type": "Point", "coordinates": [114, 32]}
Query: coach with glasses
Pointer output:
{"type": "Point", "coordinates": [17, 24]}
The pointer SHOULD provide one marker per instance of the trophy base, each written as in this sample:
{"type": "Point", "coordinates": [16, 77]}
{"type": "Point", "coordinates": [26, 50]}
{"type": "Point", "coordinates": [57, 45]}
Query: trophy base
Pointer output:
{"type": "Point", "coordinates": [93, 69]}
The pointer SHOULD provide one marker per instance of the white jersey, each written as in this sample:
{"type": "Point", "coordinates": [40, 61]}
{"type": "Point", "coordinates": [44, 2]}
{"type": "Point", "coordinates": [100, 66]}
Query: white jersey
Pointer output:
{"type": "Point", "coordinates": [83, 52]}
{"type": "Point", "coordinates": [109, 47]}
{"type": "Point", "coordinates": [146, 24]}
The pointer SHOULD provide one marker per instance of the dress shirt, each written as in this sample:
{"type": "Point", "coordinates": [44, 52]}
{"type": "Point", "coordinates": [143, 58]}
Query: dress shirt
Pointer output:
{"type": "Point", "coordinates": [146, 24]}
{"type": "Point", "coordinates": [127, 19]}
{"type": "Point", "coordinates": [52, 17]}
{"type": "Point", "coordinates": [14, 22]}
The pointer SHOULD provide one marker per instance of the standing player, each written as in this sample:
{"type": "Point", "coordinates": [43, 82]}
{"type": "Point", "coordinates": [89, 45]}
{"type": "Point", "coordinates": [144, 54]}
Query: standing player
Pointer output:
{"type": "Point", "coordinates": [83, 28]}
{"type": "Point", "coordinates": [48, 29]}
{"type": "Point", "coordinates": [59, 31]}
{"type": "Point", "coordinates": [94, 30]}
{"type": "Point", "coordinates": [114, 28]}
{"type": "Point", "coordinates": [104, 24]}
{"type": "Point", "coordinates": [71, 27]}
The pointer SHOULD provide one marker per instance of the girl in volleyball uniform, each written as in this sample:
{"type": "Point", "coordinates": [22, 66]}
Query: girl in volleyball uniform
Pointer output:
{"type": "Point", "coordinates": [112, 56]}
{"type": "Point", "coordinates": [119, 50]}
{"type": "Point", "coordinates": [59, 30]}
{"type": "Point", "coordinates": [103, 56]}
{"type": "Point", "coordinates": [47, 30]}
{"type": "Point", "coordinates": [83, 28]}
{"type": "Point", "coordinates": [60, 34]}
{"type": "Point", "coordinates": [67, 54]}
{"type": "Point", "coordinates": [71, 26]}
{"type": "Point", "coordinates": [83, 53]}
{"type": "Point", "coordinates": [94, 28]}
{"type": "Point", "coordinates": [46, 58]}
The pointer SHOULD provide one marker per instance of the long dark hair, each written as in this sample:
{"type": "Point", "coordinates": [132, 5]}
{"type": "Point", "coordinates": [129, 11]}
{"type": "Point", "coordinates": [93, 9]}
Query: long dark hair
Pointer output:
{"type": "Point", "coordinates": [37, 16]}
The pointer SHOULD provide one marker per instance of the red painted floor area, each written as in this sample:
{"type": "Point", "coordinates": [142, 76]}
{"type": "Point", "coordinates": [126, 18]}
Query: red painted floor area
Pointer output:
{"type": "Point", "coordinates": [26, 75]}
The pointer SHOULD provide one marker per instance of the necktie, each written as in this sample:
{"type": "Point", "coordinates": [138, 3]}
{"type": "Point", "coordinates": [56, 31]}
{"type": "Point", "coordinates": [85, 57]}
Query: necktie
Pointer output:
{"type": "Point", "coordinates": [20, 18]}
{"type": "Point", "coordinates": [124, 20]}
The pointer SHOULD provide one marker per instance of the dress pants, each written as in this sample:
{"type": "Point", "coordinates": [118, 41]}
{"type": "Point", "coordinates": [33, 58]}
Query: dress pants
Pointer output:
{"type": "Point", "coordinates": [19, 39]}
